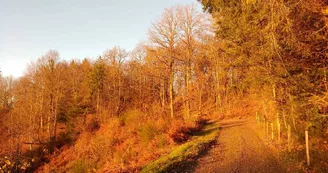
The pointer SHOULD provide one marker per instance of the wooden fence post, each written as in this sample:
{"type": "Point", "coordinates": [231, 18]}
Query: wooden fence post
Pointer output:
{"type": "Point", "coordinates": [307, 147]}
{"type": "Point", "coordinates": [272, 131]}
{"type": "Point", "coordinates": [278, 127]}
{"type": "Point", "coordinates": [256, 117]}
{"type": "Point", "coordinates": [278, 132]}
{"type": "Point", "coordinates": [267, 127]}
{"type": "Point", "coordinates": [289, 140]}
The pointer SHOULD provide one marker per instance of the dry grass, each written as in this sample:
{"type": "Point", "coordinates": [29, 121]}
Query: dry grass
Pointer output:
{"type": "Point", "coordinates": [124, 143]}
{"type": "Point", "coordinates": [181, 153]}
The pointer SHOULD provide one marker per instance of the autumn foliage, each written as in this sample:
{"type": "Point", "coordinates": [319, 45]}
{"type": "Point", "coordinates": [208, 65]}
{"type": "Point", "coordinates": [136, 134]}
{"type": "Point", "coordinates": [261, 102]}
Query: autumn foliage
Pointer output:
{"type": "Point", "coordinates": [119, 111]}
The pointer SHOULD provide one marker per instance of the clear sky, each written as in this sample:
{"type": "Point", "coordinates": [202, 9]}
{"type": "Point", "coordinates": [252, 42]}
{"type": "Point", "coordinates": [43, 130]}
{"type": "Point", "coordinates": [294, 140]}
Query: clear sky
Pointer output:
{"type": "Point", "coordinates": [75, 28]}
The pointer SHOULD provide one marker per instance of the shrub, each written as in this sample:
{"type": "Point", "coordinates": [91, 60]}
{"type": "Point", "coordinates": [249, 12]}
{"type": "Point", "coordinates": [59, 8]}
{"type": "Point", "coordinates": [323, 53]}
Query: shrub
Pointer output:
{"type": "Point", "coordinates": [130, 117]}
{"type": "Point", "coordinates": [98, 146]}
{"type": "Point", "coordinates": [93, 125]}
{"type": "Point", "coordinates": [179, 132]}
{"type": "Point", "coordinates": [147, 132]}
{"type": "Point", "coordinates": [63, 139]}
{"type": "Point", "coordinates": [162, 124]}
{"type": "Point", "coordinates": [79, 166]}
{"type": "Point", "coordinates": [161, 140]}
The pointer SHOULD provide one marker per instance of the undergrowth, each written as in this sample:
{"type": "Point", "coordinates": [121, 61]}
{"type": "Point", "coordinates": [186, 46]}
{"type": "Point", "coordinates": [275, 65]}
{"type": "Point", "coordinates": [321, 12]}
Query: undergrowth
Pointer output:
{"type": "Point", "coordinates": [127, 142]}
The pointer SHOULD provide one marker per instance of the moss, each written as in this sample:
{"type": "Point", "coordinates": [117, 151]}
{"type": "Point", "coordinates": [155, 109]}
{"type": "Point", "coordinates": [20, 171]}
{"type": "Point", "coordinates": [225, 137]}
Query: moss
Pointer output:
{"type": "Point", "coordinates": [185, 151]}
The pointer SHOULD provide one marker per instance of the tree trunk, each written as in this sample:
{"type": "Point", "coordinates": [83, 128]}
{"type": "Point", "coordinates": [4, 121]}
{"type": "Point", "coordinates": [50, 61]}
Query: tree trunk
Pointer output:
{"type": "Point", "coordinates": [30, 125]}
{"type": "Point", "coordinates": [162, 94]}
{"type": "Point", "coordinates": [187, 105]}
{"type": "Point", "coordinates": [119, 85]}
{"type": "Point", "coordinates": [218, 103]}
{"type": "Point", "coordinates": [51, 115]}
{"type": "Point", "coordinates": [98, 96]}
{"type": "Point", "coordinates": [200, 98]}
{"type": "Point", "coordinates": [140, 92]}
{"type": "Point", "coordinates": [274, 91]}
{"type": "Point", "coordinates": [41, 116]}
{"type": "Point", "coordinates": [55, 116]}
{"type": "Point", "coordinates": [171, 93]}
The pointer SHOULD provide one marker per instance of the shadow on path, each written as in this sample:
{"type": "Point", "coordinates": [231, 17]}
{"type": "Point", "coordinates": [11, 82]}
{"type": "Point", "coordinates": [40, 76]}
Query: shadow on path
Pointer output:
{"type": "Point", "coordinates": [238, 149]}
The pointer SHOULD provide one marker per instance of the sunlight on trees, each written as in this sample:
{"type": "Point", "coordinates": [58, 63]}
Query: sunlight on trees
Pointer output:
{"type": "Point", "coordinates": [237, 58]}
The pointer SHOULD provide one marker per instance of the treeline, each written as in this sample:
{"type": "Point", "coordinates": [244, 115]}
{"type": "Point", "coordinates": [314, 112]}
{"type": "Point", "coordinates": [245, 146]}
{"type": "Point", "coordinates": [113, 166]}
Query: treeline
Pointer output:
{"type": "Point", "coordinates": [280, 52]}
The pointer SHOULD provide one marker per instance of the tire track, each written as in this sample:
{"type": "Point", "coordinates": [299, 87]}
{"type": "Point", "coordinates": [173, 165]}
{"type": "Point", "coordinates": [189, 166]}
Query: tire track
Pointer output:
{"type": "Point", "coordinates": [239, 149]}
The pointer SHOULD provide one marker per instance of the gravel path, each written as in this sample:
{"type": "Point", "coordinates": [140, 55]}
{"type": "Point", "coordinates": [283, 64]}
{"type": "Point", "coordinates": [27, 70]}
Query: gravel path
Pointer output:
{"type": "Point", "coordinates": [239, 149]}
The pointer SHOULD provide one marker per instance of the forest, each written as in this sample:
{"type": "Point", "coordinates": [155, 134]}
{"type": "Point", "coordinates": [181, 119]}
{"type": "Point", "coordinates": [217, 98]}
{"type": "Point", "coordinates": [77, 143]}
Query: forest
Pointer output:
{"type": "Point", "coordinates": [124, 109]}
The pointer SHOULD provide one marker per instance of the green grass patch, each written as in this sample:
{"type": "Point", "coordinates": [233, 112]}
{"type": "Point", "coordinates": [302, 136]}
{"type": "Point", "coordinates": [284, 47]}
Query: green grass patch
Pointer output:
{"type": "Point", "coordinates": [191, 149]}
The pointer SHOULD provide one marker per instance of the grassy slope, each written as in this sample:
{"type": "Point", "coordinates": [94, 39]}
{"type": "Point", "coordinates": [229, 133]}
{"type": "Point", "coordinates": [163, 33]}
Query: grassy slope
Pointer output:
{"type": "Point", "coordinates": [185, 151]}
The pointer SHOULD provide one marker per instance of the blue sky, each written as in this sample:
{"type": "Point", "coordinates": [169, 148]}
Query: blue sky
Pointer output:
{"type": "Point", "coordinates": [75, 28]}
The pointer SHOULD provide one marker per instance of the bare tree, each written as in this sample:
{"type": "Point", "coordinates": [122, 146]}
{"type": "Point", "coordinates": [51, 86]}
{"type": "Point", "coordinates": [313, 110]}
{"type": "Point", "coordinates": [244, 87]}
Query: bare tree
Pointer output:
{"type": "Point", "coordinates": [164, 36]}
{"type": "Point", "coordinates": [116, 57]}
{"type": "Point", "coordinates": [192, 25]}
{"type": "Point", "coordinates": [51, 75]}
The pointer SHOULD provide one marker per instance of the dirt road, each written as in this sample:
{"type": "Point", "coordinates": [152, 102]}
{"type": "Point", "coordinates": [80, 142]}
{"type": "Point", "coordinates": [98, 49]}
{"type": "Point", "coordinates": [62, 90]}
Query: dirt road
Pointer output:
{"type": "Point", "coordinates": [239, 149]}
